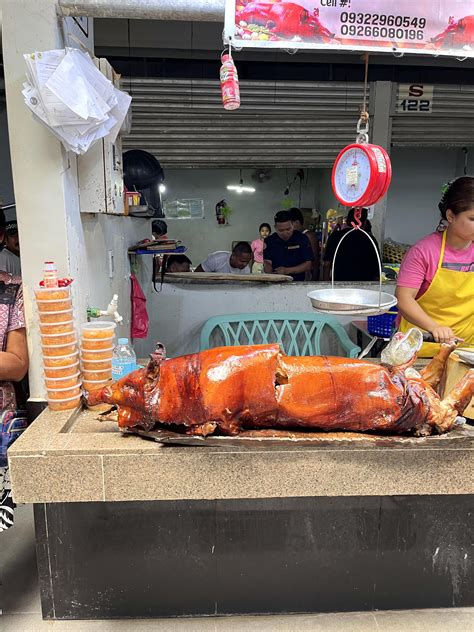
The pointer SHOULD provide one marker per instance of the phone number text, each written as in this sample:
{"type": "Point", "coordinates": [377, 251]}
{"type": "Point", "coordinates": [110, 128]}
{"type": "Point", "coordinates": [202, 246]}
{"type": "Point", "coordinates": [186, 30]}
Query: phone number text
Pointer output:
{"type": "Point", "coordinates": [377, 25]}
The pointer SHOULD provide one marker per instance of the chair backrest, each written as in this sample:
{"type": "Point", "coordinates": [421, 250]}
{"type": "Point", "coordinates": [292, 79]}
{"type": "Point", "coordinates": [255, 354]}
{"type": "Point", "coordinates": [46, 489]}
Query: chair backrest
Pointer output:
{"type": "Point", "coordinates": [298, 333]}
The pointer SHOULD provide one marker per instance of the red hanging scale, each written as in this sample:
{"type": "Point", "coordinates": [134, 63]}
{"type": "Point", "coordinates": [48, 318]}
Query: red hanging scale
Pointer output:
{"type": "Point", "coordinates": [361, 176]}
{"type": "Point", "coordinates": [362, 172]}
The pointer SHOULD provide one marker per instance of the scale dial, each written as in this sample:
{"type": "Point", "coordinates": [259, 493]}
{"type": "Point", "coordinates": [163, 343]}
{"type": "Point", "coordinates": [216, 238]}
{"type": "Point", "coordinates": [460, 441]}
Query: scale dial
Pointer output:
{"type": "Point", "coordinates": [361, 175]}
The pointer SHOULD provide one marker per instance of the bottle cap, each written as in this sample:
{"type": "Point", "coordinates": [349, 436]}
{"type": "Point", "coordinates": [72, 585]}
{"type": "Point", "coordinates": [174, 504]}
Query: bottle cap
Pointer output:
{"type": "Point", "coordinates": [123, 341]}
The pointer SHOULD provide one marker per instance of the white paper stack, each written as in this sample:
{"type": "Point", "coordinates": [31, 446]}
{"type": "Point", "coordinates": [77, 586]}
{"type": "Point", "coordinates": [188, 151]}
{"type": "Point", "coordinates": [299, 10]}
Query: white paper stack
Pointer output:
{"type": "Point", "coordinates": [70, 96]}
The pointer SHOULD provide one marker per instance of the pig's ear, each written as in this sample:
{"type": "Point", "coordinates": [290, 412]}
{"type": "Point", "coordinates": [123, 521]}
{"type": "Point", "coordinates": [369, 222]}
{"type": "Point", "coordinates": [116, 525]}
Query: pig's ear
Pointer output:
{"type": "Point", "coordinates": [156, 358]}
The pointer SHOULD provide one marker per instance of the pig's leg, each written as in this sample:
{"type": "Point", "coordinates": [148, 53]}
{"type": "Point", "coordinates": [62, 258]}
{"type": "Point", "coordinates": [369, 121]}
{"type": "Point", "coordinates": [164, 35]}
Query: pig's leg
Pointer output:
{"type": "Point", "coordinates": [433, 372]}
{"type": "Point", "coordinates": [203, 429]}
{"type": "Point", "coordinates": [444, 416]}
{"type": "Point", "coordinates": [462, 393]}
{"type": "Point", "coordinates": [129, 417]}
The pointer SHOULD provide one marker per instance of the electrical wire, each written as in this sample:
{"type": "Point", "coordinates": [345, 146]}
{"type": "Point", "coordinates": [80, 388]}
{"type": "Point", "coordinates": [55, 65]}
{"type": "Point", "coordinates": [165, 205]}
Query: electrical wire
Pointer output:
{"type": "Point", "coordinates": [129, 57]}
{"type": "Point", "coordinates": [366, 81]}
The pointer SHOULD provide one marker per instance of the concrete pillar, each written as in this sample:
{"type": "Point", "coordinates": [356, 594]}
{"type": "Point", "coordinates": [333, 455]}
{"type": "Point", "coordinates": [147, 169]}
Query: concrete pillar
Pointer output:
{"type": "Point", "coordinates": [381, 128]}
{"type": "Point", "coordinates": [44, 174]}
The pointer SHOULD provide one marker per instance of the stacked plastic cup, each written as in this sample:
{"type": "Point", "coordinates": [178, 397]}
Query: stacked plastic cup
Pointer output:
{"type": "Point", "coordinates": [59, 346]}
{"type": "Point", "coordinates": [97, 346]}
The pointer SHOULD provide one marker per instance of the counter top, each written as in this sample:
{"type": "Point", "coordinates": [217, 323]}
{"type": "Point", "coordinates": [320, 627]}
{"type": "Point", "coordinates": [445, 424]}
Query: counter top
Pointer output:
{"type": "Point", "coordinates": [64, 457]}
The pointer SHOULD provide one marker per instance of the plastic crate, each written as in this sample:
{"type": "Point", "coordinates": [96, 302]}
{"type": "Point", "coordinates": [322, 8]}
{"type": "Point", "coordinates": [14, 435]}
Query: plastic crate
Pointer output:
{"type": "Point", "coordinates": [382, 325]}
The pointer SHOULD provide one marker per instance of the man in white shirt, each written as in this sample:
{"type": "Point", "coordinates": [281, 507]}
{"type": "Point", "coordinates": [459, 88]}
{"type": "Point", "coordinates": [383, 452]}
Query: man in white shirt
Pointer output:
{"type": "Point", "coordinates": [235, 262]}
{"type": "Point", "coordinates": [9, 259]}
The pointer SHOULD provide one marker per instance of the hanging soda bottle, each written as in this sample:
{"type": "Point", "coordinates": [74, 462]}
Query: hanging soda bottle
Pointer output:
{"type": "Point", "coordinates": [229, 82]}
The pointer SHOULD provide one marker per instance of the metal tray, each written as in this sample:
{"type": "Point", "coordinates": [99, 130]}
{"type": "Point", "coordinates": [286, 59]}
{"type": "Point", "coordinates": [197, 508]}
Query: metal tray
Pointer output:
{"type": "Point", "coordinates": [466, 355]}
{"type": "Point", "coordinates": [351, 300]}
{"type": "Point", "coordinates": [272, 439]}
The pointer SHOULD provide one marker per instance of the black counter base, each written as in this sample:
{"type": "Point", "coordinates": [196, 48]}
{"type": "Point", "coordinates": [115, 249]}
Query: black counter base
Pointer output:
{"type": "Point", "coordinates": [167, 559]}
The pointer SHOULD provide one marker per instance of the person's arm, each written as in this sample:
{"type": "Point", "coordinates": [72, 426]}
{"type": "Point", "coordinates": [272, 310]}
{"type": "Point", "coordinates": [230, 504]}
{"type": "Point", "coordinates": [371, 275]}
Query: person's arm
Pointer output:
{"type": "Point", "coordinates": [267, 266]}
{"type": "Point", "coordinates": [329, 250]}
{"type": "Point", "coordinates": [327, 265]}
{"type": "Point", "coordinates": [302, 267]}
{"type": "Point", "coordinates": [14, 360]}
{"type": "Point", "coordinates": [268, 256]}
{"type": "Point", "coordinates": [313, 240]}
{"type": "Point", "coordinates": [411, 311]}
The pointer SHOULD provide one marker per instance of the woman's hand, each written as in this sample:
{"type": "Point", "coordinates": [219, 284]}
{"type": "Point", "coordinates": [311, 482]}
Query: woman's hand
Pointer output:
{"type": "Point", "coordinates": [443, 334]}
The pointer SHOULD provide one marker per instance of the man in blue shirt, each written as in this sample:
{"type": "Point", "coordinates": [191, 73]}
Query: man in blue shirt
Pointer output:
{"type": "Point", "coordinates": [287, 251]}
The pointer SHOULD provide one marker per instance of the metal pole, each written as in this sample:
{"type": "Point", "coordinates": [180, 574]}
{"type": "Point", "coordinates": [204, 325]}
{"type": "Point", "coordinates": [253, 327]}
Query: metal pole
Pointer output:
{"type": "Point", "coordinates": [188, 10]}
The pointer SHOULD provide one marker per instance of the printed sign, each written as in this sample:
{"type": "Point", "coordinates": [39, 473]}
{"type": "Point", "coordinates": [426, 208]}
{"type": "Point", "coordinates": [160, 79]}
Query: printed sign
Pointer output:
{"type": "Point", "coordinates": [415, 98]}
{"type": "Point", "coordinates": [79, 32]}
{"type": "Point", "coordinates": [438, 27]}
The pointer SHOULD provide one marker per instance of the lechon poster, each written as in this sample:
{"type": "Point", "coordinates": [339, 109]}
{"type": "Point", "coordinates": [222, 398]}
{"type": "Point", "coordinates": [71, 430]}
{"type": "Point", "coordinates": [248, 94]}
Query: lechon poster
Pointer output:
{"type": "Point", "coordinates": [428, 27]}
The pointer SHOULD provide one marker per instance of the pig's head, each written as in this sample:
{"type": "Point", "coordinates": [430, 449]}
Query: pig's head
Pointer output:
{"type": "Point", "coordinates": [133, 394]}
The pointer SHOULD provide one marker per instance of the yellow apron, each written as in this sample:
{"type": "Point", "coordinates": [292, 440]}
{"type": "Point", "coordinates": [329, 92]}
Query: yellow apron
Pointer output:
{"type": "Point", "coordinates": [450, 301]}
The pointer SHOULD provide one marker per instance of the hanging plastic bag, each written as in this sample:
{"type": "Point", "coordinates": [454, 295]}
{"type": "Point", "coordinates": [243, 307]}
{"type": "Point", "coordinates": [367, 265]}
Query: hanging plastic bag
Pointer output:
{"type": "Point", "coordinates": [140, 320]}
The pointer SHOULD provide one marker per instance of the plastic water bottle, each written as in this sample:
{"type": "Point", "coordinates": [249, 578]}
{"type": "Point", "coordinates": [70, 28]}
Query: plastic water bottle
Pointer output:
{"type": "Point", "coordinates": [124, 360]}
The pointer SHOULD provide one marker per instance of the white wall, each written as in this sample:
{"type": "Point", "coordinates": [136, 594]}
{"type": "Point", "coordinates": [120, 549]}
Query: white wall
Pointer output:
{"type": "Point", "coordinates": [418, 177]}
{"type": "Point", "coordinates": [326, 194]}
{"type": "Point", "coordinates": [250, 209]}
{"type": "Point", "coordinates": [179, 311]}
{"type": "Point", "coordinates": [45, 177]}
{"type": "Point", "coordinates": [100, 235]}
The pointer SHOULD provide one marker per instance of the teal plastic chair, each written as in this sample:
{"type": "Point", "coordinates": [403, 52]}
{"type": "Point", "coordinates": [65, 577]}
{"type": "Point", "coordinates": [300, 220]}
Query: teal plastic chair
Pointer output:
{"type": "Point", "coordinates": [298, 333]}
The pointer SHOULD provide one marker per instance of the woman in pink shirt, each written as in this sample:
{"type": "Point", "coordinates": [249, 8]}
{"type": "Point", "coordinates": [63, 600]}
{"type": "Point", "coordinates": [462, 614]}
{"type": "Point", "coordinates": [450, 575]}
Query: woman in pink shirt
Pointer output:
{"type": "Point", "coordinates": [257, 248]}
{"type": "Point", "coordinates": [435, 288]}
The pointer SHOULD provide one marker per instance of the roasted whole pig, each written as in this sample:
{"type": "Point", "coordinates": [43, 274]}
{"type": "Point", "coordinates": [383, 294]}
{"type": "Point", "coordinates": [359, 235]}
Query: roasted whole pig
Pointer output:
{"type": "Point", "coordinates": [229, 389]}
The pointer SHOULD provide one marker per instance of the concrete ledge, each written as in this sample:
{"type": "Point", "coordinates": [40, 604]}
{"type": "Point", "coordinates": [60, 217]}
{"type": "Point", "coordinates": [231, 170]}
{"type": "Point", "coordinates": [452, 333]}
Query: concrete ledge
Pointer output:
{"type": "Point", "coordinates": [75, 458]}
